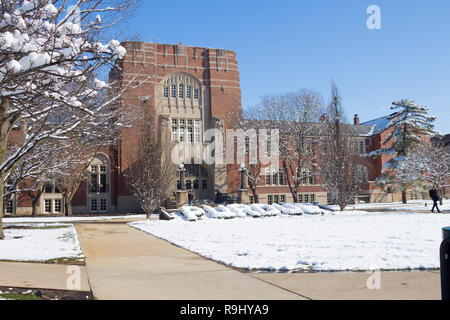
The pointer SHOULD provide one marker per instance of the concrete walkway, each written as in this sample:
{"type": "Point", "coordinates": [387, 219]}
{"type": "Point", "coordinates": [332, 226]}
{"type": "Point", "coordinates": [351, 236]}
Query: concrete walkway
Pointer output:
{"type": "Point", "coordinates": [353, 286]}
{"type": "Point", "coordinates": [124, 263]}
{"type": "Point", "coordinates": [43, 276]}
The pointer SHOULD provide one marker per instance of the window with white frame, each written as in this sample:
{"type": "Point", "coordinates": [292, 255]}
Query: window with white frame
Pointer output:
{"type": "Point", "coordinates": [57, 205]}
{"type": "Point", "coordinates": [181, 87]}
{"type": "Point", "coordinates": [94, 205]}
{"type": "Point", "coordinates": [268, 177]}
{"type": "Point", "coordinates": [187, 130]}
{"type": "Point", "coordinates": [99, 178]}
{"type": "Point", "coordinates": [48, 206]}
{"type": "Point", "coordinates": [103, 205]}
{"type": "Point", "coordinates": [9, 208]}
{"type": "Point", "coordinates": [181, 91]}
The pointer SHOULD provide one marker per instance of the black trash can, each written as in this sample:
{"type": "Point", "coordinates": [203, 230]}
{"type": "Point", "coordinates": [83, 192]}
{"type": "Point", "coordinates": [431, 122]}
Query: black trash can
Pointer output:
{"type": "Point", "coordinates": [445, 264]}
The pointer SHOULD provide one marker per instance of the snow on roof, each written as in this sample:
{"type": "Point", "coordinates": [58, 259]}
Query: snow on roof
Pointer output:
{"type": "Point", "coordinates": [380, 124]}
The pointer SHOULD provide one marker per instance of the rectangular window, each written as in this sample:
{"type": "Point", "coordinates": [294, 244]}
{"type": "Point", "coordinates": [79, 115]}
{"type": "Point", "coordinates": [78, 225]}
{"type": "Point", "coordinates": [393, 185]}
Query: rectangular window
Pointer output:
{"type": "Point", "coordinates": [190, 135]}
{"type": "Point", "coordinates": [283, 198]}
{"type": "Point", "coordinates": [48, 206]}
{"type": "Point", "coordinates": [190, 122]}
{"type": "Point", "coordinates": [94, 205]}
{"type": "Point", "coordinates": [181, 91]}
{"type": "Point", "coordinates": [281, 178]}
{"type": "Point", "coordinates": [196, 185]}
{"type": "Point", "coordinates": [362, 147]}
{"type": "Point", "coordinates": [306, 198]}
{"type": "Point", "coordinates": [311, 178]}
{"type": "Point", "coordinates": [58, 206]}
{"type": "Point", "coordinates": [175, 122]}
{"type": "Point", "coordinates": [328, 198]}
{"type": "Point", "coordinates": [300, 198]}
{"type": "Point", "coordinates": [198, 136]}
{"type": "Point", "coordinates": [103, 184]}
{"type": "Point", "coordinates": [276, 199]}
{"type": "Point", "coordinates": [251, 199]}
{"type": "Point", "coordinates": [189, 92]}
{"type": "Point", "coordinates": [313, 198]}
{"type": "Point", "coordinates": [196, 94]}
{"type": "Point", "coordinates": [173, 91]}
{"type": "Point", "coordinates": [175, 134]}
{"type": "Point", "coordinates": [274, 178]}
{"type": "Point", "coordinates": [268, 175]}
{"type": "Point", "coordinates": [269, 199]}
{"type": "Point", "coordinates": [9, 207]}
{"type": "Point", "coordinates": [182, 121]}
{"type": "Point", "coordinates": [48, 189]}
{"type": "Point", "coordinates": [205, 184]}
{"type": "Point", "coordinates": [94, 183]}
{"type": "Point", "coordinates": [103, 205]}
{"type": "Point", "coordinates": [166, 92]}
{"type": "Point", "coordinates": [188, 184]}
{"type": "Point", "coordinates": [181, 134]}
{"type": "Point", "coordinates": [304, 176]}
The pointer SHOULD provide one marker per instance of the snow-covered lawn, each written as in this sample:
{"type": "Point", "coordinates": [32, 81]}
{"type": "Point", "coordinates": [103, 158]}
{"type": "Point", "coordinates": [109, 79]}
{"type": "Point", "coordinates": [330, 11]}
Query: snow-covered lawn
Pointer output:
{"type": "Point", "coordinates": [413, 205]}
{"type": "Point", "coordinates": [345, 241]}
{"type": "Point", "coordinates": [40, 242]}
{"type": "Point", "coordinates": [68, 219]}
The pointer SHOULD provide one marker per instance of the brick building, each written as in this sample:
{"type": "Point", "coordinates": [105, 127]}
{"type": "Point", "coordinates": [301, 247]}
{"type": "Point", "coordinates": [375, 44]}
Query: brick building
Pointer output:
{"type": "Point", "coordinates": [193, 89]}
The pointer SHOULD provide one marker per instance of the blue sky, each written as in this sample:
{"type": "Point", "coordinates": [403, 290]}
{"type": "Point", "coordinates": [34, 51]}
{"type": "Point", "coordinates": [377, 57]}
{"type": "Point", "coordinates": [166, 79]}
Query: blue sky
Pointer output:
{"type": "Point", "coordinates": [287, 45]}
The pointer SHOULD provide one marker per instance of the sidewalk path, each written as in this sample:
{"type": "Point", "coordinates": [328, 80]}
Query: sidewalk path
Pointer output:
{"type": "Point", "coordinates": [424, 285]}
{"type": "Point", "coordinates": [40, 276]}
{"type": "Point", "coordinates": [124, 263]}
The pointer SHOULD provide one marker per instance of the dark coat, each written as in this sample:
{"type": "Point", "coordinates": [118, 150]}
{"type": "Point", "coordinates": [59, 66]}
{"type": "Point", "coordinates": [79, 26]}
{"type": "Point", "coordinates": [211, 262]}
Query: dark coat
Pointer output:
{"type": "Point", "coordinates": [434, 195]}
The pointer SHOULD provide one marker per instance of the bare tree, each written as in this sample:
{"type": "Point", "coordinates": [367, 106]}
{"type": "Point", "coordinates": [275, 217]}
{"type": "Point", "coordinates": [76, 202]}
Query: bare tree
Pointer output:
{"type": "Point", "coordinates": [51, 55]}
{"type": "Point", "coordinates": [295, 115]}
{"type": "Point", "coordinates": [430, 164]}
{"type": "Point", "coordinates": [151, 170]}
{"type": "Point", "coordinates": [338, 160]}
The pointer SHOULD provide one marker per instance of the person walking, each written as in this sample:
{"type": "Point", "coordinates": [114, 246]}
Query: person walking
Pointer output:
{"type": "Point", "coordinates": [435, 197]}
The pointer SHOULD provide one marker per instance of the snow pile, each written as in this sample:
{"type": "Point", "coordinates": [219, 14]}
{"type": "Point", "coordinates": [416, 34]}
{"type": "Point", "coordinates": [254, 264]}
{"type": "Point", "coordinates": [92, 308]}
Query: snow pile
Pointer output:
{"type": "Point", "coordinates": [40, 242]}
{"type": "Point", "coordinates": [344, 241]}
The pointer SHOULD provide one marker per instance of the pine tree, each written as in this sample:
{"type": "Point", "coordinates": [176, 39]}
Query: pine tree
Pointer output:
{"type": "Point", "coordinates": [409, 124]}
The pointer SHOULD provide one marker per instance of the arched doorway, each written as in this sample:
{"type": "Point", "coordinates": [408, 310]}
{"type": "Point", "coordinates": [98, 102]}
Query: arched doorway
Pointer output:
{"type": "Point", "coordinates": [197, 181]}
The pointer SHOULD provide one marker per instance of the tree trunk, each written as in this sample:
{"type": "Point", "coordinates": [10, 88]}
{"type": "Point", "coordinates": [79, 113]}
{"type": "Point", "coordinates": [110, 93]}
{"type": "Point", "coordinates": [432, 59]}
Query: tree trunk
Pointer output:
{"type": "Point", "coordinates": [4, 138]}
{"type": "Point", "coordinates": [34, 206]}
{"type": "Point", "coordinates": [2, 188]}
{"type": "Point", "coordinates": [255, 195]}
{"type": "Point", "coordinates": [404, 200]}
{"type": "Point", "coordinates": [441, 196]}
{"type": "Point", "coordinates": [67, 206]}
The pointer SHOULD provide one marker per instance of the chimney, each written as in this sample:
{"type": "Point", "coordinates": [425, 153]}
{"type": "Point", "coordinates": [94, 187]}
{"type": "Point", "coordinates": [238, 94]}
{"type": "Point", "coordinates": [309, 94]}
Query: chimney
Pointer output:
{"type": "Point", "coordinates": [356, 120]}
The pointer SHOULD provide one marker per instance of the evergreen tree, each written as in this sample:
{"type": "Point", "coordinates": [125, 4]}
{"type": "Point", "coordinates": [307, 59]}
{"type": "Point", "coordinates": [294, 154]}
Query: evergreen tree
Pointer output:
{"type": "Point", "coordinates": [409, 125]}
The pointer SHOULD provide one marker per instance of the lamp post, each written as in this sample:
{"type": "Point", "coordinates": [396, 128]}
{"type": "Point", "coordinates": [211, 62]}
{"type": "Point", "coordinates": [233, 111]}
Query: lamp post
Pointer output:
{"type": "Point", "coordinates": [243, 192]}
{"type": "Point", "coordinates": [182, 170]}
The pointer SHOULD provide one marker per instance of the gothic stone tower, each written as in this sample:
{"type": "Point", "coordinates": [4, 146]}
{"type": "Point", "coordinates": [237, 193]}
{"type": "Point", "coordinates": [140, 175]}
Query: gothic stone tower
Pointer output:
{"type": "Point", "coordinates": [195, 89]}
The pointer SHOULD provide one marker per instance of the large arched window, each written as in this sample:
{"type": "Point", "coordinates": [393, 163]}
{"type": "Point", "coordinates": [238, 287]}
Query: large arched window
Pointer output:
{"type": "Point", "coordinates": [181, 87]}
{"type": "Point", "coordinates": [99, 184]}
